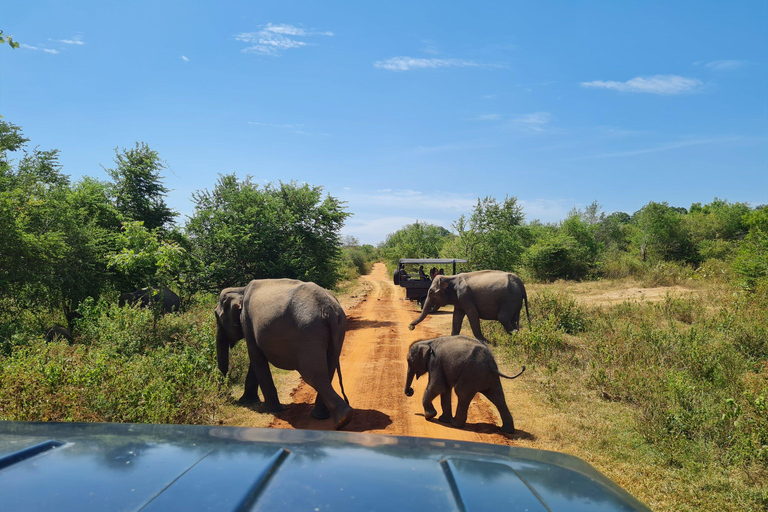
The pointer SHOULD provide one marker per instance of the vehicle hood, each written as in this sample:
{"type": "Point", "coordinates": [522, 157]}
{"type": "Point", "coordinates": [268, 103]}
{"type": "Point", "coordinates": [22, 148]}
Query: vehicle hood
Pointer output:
{"type": "Point", "coordinates": [106, 467]}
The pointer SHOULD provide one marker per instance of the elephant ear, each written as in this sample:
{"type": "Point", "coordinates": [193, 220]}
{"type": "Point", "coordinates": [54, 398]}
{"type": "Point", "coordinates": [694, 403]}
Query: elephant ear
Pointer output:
{"type": "Point", "coordinates": [235, 307]}
{"type": "Point", "coordinates": [425, 353]}
{"type": "Point", "coordinates": [441, 282]}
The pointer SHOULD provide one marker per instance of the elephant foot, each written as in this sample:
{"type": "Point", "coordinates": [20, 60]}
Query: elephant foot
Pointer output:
{"type": "Point", "coordinates": [322, 414]}
{"type": "Point", "coordinates": [274, 408]}
{"type": "Point", "coordinates": [249, 400]}
{"type": "Point", "coordinates": [458, 424]}
{"type": "Point", "coordinates": [430, 414]}
{"type": "Point", "coordinates": [508, 429]}
{"type": "Point", "coordinates": [344, 419]}
{"type": "Point", "coordinates": [445, 418]}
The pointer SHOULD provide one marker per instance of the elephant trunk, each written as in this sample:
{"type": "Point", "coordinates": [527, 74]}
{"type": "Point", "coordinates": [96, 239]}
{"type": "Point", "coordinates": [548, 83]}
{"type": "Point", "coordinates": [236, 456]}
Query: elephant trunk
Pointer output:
{"type": "Point", "coordinates": [408, 382]}
{"type": "Point", "coordinates": [424, 312]}
{"type": "Point", "coordinates": [222, 350]}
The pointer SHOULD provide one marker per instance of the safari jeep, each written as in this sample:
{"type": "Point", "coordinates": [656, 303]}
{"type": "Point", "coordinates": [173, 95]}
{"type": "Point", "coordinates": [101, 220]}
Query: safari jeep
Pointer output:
{"type": "Point", "coordinates": [413, 274]}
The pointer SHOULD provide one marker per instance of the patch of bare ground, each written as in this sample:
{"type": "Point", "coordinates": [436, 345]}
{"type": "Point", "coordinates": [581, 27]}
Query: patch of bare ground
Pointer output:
{"type": "Point", "coordinates": [609, 292]}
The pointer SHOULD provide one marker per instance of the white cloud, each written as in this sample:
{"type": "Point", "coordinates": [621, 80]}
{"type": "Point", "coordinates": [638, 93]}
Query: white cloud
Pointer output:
{"type": "Point", "coordinates": [185, 59]}
{"type": "Point", "coordinates": [77, 40]}
{"type": "Point", "coordinates": [46, 50]}
{"type": "Point", "coordinates": [533, 122]}
{"type": "Point", "coordinates": [274, 39]}
{"type": "Point", "coordinates": [430, 47]}
{"type": "Point", "coordinates": [658, 84]}
{"type": "Point", "coordinates": [725, 65]}
{"type": "Point", "coordinates": [408, 63]}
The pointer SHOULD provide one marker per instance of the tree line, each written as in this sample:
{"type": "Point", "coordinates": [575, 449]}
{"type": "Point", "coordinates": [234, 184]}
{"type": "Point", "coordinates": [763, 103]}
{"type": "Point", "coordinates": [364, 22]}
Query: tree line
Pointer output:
{"type": "Point", "coordinates": [62, 241]}
{"type": "Point", "coordinates": [591, 244]}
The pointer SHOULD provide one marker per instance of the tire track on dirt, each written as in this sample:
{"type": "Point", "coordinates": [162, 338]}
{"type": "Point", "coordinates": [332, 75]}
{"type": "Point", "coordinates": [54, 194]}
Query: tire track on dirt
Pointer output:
{"type": "Point", "coordinates": [374, 368]}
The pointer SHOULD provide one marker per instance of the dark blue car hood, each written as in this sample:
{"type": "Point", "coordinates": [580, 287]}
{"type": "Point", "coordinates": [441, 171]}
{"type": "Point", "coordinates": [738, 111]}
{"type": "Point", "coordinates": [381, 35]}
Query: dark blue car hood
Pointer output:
{"type": "Point", "coordinates": [106, 467]}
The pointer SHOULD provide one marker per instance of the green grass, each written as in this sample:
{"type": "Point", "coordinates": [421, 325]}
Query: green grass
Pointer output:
{"type": "Point", "coordinates": [126, 366]}
{"type": "Point", "coordinates": [688, 376]}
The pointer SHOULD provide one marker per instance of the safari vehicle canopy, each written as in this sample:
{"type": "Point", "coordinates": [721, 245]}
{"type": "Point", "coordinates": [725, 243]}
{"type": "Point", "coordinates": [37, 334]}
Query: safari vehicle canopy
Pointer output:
{"type": "Point", "coordinates": [418, 280]}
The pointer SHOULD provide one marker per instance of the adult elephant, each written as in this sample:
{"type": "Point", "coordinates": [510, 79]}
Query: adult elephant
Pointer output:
{"type": "Point", "coordinates": [293, 325]}
{"type": "Point", "coordinates": [485, 294]}
{"type": "Point", "coordinates": [148, 297]}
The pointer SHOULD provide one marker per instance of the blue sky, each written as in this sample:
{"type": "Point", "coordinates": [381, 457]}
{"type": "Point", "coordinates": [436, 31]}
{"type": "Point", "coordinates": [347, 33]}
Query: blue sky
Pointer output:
{"type": "Point", "coordinates": [406, 110]}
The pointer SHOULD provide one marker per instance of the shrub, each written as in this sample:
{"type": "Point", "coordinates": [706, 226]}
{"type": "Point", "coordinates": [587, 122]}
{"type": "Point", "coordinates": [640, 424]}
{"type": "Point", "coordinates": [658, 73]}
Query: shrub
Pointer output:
{"type": "Point", "coordinates": [557, 256]}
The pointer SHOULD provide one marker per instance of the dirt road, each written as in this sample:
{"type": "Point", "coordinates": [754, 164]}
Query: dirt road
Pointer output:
{"type": "Point", "coordinates": [374, 368]}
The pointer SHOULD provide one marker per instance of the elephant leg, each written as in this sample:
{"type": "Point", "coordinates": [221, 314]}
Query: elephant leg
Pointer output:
{"type": "Point", "coordinates": [251, 394]}
{"type": "Point", "coordinates": [314, 369]}
{"type": "Point", "coordinates": [474, 322]}
{"type": "Point", "coordinates": [507, 322]}
{"type": "Point", "coordinates": [465, 398]}
{"type": "Point", "coordinates": [263, 374]}
{"type": "Point", "coordinates": [458, 319]}
{"type": "Point", "coordinates": [434, 387]}
{"type": "Point", "coordinates": [320, 410]}
{"type": "Point", "coordinates": [496, 395]}
{"type": "Point", "coordinates": [445, 403]}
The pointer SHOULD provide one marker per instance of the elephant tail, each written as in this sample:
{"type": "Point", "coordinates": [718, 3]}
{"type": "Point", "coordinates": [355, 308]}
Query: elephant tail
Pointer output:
{"type": "Point", "coordinates": [337, 339]}
{"type": "Point", "coordinates": [508, 377]}
{"type": "Point", "coordinates": [527, 314]}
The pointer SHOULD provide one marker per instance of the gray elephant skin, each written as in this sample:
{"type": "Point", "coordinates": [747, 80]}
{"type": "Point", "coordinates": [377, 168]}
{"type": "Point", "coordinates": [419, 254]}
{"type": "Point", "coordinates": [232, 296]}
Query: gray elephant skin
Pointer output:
{"type": "Point", "coordinates": [58, 331]}
{"type": "Point", "coordinates": [463, 364]}
{"type": "Point", "coordinates": [293, 325]}
{"type": "Point", "coordinates": [485, 294]}
{"type": "Point", "coordinates": [147, 297]}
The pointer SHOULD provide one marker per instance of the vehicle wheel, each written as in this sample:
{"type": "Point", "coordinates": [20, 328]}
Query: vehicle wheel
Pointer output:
{"type": "Point", "coordinates": [397, 278]}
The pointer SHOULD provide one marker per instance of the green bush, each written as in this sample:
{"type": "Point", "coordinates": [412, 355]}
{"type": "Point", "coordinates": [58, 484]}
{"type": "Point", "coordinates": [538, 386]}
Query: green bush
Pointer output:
{"type": "Point", "coordinates": [127, 366]}
{"type": "Point", "coordinates": [561, 309]}
{"type": "Point", "coordinates": [557, 256]}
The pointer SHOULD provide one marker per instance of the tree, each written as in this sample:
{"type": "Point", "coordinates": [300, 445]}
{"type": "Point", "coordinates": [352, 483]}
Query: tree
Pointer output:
{"type": "Point", "coordinates": [417, 240]}
{"type": "Point", "coordinates": [492, 237]}
{"type": "Point", "coordinates": [557, 256]}
{"type": "Point", "coordinates": [54, 235]}
{"type": "Point", "coordinates": [751, 262]}
{"type": "Point", "coordinates": [11, 42]}
{"type": "Point", "coordinates": [146, 259]}
{"type": "Point", "coordinates": [611, 231]}
{"type": "Point", "coordinates": [240, 232]}
{"type": "Point", "coordinates": [659, 233]}
{"type": "Point", "coordinates": [139, 190]}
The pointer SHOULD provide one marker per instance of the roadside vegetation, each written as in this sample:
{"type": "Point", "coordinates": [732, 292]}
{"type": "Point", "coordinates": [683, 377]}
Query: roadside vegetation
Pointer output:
{"type": "Point", "coordinates": [667, 398]}
{"type": "Point", "coordinates": [670, 396]}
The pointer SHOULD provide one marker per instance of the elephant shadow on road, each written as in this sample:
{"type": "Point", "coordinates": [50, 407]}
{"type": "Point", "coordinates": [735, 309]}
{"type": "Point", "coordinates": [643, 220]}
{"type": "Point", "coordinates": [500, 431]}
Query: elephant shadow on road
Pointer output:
{"type": "Point", "coordinates": [488, 428]}
{"type": "Point", "coordinates": [357, 323]}
{"type": "Point", "coordinates": [297, 415]}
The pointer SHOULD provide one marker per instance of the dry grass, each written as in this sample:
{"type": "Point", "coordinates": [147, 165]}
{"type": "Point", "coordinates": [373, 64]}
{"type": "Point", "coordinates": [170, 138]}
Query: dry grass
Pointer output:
{"type": "Point", "coordinates": [584, 394]}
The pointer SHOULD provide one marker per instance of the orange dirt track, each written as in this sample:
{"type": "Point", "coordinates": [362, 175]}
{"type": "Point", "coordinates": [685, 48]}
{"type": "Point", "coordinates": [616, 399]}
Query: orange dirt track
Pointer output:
{"type": "Point", "coordinates": [374, 368]}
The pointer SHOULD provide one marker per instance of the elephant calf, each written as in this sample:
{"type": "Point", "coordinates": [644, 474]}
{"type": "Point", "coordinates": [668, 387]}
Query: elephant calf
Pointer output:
{"type": "Point", "coordinates": [148, 297]}
{"type": "Point", "coordinates": [461, 363]}
{"type": "Point", "coordinates": [58, 331]}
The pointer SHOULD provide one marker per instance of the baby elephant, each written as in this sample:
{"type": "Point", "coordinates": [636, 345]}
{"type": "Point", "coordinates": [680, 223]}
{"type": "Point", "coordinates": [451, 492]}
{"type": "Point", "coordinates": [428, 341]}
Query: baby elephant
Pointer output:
{"type": "Point", "coordinates": [461, 363]}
